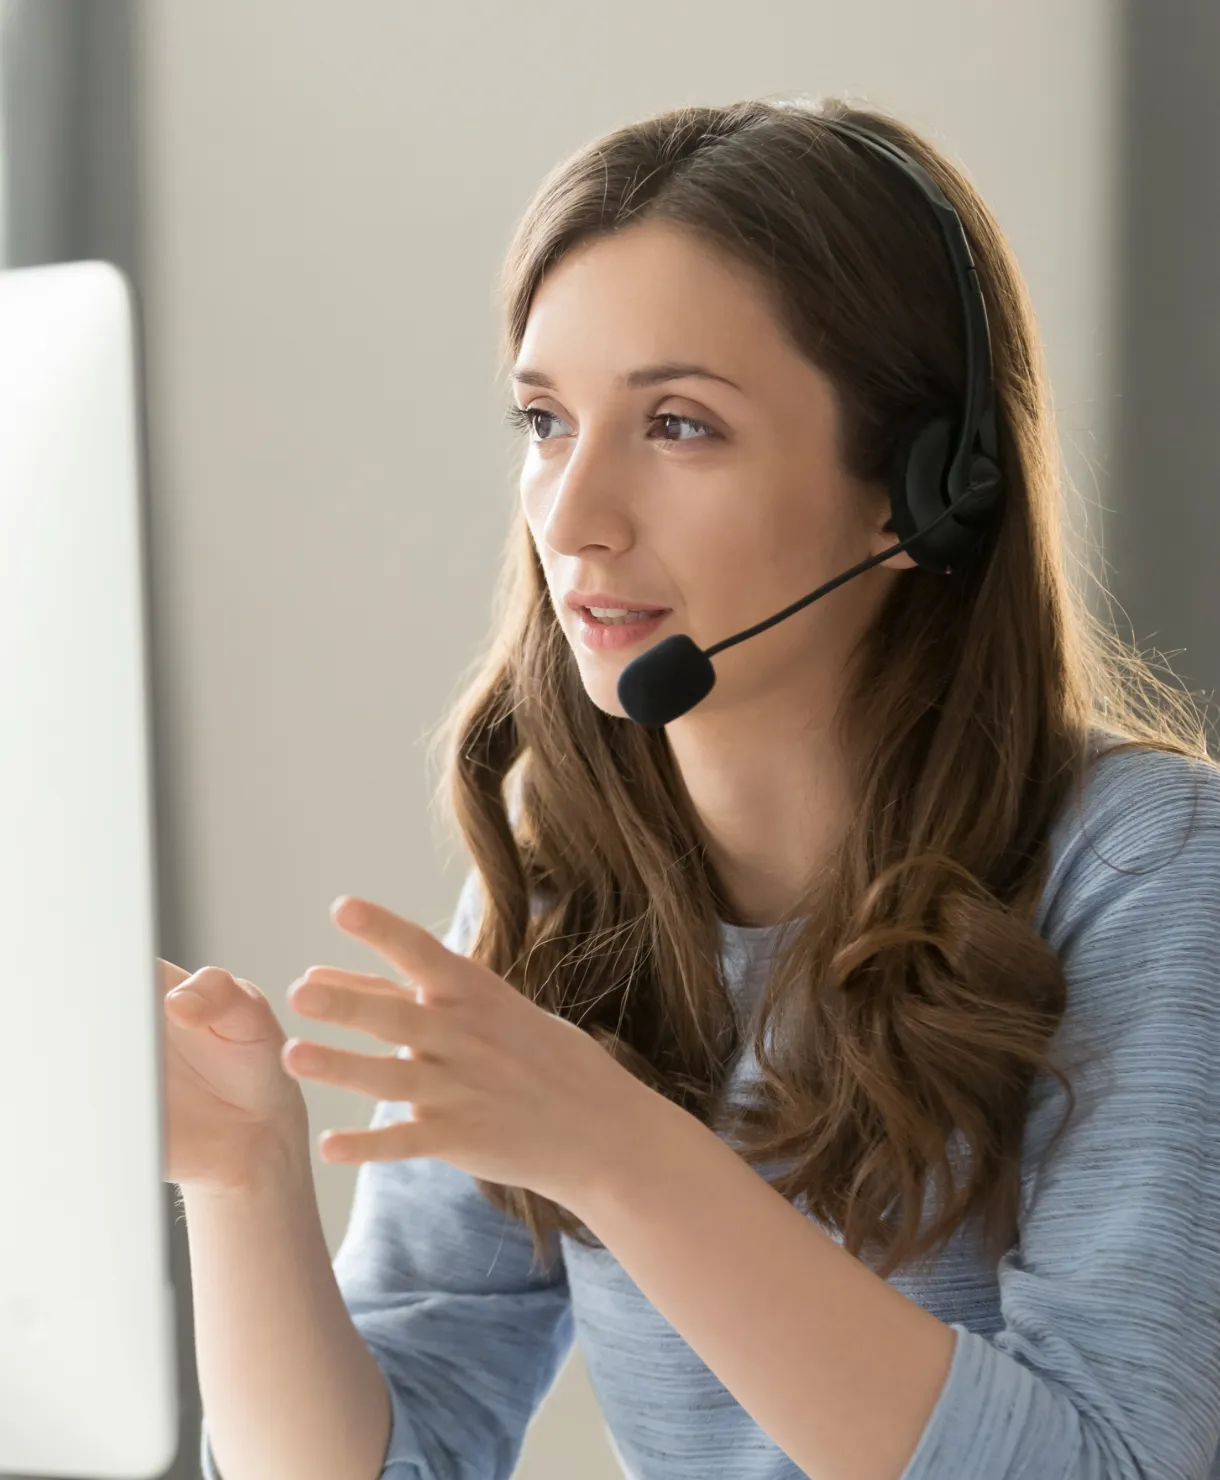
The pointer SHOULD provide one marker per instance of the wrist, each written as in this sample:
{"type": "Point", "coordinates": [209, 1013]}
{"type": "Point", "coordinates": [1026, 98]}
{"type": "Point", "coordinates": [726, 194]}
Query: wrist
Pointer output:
{"type": "Point", "coordinates": [643, 1131]}
{"type": "Point", "coordinates": [273, 1159]}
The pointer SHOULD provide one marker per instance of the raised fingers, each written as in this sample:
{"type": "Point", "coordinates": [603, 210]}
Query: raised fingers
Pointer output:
{"type": "Point", "coordinates": [382, 1076]}
{"type": "Point", "coordinates": [389, 1014]}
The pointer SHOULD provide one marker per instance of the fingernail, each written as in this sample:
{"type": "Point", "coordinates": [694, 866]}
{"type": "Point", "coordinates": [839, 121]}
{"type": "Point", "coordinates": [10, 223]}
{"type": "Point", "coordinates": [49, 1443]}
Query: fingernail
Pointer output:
{"type": "Point", "coordinates": [185, 999]}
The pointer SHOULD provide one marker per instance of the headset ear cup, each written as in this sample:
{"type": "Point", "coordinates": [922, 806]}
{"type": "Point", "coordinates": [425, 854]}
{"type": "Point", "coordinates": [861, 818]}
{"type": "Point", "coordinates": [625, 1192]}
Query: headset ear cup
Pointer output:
{"type": "Point", "coordinates": [905, 517]}
{"type": "Point", "coordinates": [917, 492]}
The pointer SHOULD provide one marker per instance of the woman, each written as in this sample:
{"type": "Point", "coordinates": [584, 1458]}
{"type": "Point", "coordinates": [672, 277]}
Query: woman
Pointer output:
{"type": "Point", "coordinates": [839, 908]}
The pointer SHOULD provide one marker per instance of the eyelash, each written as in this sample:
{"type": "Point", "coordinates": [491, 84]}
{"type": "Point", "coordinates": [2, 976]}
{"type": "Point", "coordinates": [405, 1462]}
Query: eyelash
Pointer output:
{"type": "Point", "coordinates": [523, 420]}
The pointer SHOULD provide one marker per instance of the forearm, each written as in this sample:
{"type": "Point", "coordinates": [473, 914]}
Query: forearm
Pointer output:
{"type": "Point", "coordinates": [289, 1387]}
{"type": "Point", "coordinates": [835, 1364]}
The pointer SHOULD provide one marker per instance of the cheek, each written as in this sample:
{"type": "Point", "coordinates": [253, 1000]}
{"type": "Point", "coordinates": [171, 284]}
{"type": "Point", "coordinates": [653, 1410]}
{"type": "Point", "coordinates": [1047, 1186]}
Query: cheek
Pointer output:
{"type": "Point", "coordinates": [774, 555]}
{"type": "Point", "coordinates": [534, 510]}
{"type": "Point", "coordinates": [767, 535]}
{"type": "Point", "coordinates": [529, 496]}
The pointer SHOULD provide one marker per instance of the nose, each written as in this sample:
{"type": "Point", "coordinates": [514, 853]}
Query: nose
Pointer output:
{"type": "Point", "coordinates": [585, 504]}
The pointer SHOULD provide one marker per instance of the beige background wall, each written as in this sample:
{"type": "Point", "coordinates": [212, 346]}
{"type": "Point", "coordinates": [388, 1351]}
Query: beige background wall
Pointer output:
{"type": "Point", "coordinates": [327, 192]}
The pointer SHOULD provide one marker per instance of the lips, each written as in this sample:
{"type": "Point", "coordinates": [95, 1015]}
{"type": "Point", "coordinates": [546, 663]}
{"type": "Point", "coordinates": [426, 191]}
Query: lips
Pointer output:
{"type": "Point", "coordinates": [583, 600]}
{"type": "Point", "coordinates": [603, 637]}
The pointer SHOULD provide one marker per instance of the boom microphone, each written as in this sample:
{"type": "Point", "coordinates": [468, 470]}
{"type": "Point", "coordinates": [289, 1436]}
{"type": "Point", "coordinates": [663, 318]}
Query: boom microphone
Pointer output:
{"type": "Point", "coordinates": [672, 677]}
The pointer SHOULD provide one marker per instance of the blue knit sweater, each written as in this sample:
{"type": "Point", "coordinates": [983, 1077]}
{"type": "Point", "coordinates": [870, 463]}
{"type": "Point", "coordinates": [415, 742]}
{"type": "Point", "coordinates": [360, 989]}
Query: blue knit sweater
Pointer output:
{"type": "Point", "coordinates": [1091, 1352]}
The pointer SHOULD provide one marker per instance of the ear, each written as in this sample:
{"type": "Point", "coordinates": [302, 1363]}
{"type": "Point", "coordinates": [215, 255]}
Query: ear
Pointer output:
{"type": "Point", "coordinates": [884, 539]}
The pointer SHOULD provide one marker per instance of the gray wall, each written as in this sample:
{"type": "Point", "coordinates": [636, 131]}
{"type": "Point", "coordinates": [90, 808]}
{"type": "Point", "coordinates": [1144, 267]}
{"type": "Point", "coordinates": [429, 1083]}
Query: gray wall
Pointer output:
{"type": "Point", "coordinates": [1165, 485]}
{"type": "Point", "coordinates": [67, 81]}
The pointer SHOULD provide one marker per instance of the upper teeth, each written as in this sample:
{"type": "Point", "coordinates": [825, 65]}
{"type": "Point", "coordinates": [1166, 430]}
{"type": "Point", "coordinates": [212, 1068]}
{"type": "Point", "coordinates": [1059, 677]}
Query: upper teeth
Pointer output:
{"type": "Point", "coordinates": [617, 611]}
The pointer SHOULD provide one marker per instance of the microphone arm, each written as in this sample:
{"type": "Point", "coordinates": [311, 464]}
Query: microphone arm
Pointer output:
{"type": "Point", "coordinates": [676, 674]}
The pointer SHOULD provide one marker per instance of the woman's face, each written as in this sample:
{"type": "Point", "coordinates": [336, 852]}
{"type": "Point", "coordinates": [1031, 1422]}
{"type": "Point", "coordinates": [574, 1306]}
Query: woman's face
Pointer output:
{"type": "Point", "coordinates": [723, 502]}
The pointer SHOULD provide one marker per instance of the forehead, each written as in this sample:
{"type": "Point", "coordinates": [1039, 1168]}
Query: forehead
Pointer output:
{"type": "Point", "coordinates": [652, 291]}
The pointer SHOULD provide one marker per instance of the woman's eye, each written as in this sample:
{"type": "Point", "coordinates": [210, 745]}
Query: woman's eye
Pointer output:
{"type": "Point", "coordinates": [530, 419]}
{"type": "Point", "coordinates": [689, 421]}
{"type": "Point", "coordinates": [530, 416]}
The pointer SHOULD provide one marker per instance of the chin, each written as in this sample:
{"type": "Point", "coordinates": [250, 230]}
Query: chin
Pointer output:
{"type": "Point", "coordinates": [605, 696]}
{"type": "Point", "coordinates": [601, 685]}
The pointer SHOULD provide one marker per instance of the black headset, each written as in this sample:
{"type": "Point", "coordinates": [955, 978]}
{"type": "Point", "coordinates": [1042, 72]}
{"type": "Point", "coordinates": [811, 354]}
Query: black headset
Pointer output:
{"type": "Point", "coordinates": [941, 505]}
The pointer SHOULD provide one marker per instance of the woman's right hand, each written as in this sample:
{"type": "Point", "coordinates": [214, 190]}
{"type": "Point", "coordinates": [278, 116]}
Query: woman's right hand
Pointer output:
{"type": "Point", "coordinates": [230, 1102]}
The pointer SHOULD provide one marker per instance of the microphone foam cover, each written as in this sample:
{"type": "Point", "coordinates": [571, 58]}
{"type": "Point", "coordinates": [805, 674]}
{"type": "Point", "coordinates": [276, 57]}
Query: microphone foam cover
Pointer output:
{"type": "Point", "coordinates": [666, 681]}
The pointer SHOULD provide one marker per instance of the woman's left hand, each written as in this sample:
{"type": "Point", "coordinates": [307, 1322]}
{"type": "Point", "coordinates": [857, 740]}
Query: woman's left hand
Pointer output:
{"type": "Point", "coordinates": [498, 1087]}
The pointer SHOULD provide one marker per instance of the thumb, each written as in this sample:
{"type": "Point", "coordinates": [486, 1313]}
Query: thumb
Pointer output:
{"type": "Point", "coordinates": [232, 1007]}
{"type": "Point", "coordinates": [171, 975]}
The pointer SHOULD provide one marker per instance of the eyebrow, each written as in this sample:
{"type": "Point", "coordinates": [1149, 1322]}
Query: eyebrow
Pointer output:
{"type": "Point", "coordinates": [644, 375]}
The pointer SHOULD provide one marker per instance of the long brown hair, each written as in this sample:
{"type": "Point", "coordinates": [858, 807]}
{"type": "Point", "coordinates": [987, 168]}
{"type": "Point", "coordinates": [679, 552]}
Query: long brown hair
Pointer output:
{"type": "Point", "coordinates": [915, 1001]}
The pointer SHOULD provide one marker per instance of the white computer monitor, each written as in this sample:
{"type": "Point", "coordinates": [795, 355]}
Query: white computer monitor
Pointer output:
{"type": "Point", "coordinates": [88, 1370]}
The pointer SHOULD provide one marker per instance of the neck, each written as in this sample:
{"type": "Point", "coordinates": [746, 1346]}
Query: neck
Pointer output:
{"type": "Point", "coordinates": [772, 805]}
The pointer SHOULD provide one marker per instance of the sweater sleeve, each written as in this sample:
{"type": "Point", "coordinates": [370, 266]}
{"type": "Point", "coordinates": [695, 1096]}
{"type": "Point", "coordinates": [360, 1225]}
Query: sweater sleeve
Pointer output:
{"type": "Point", "coordinates": [1107, 1363]}
{"type": "Point", "coordinates": [468, 1334]}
